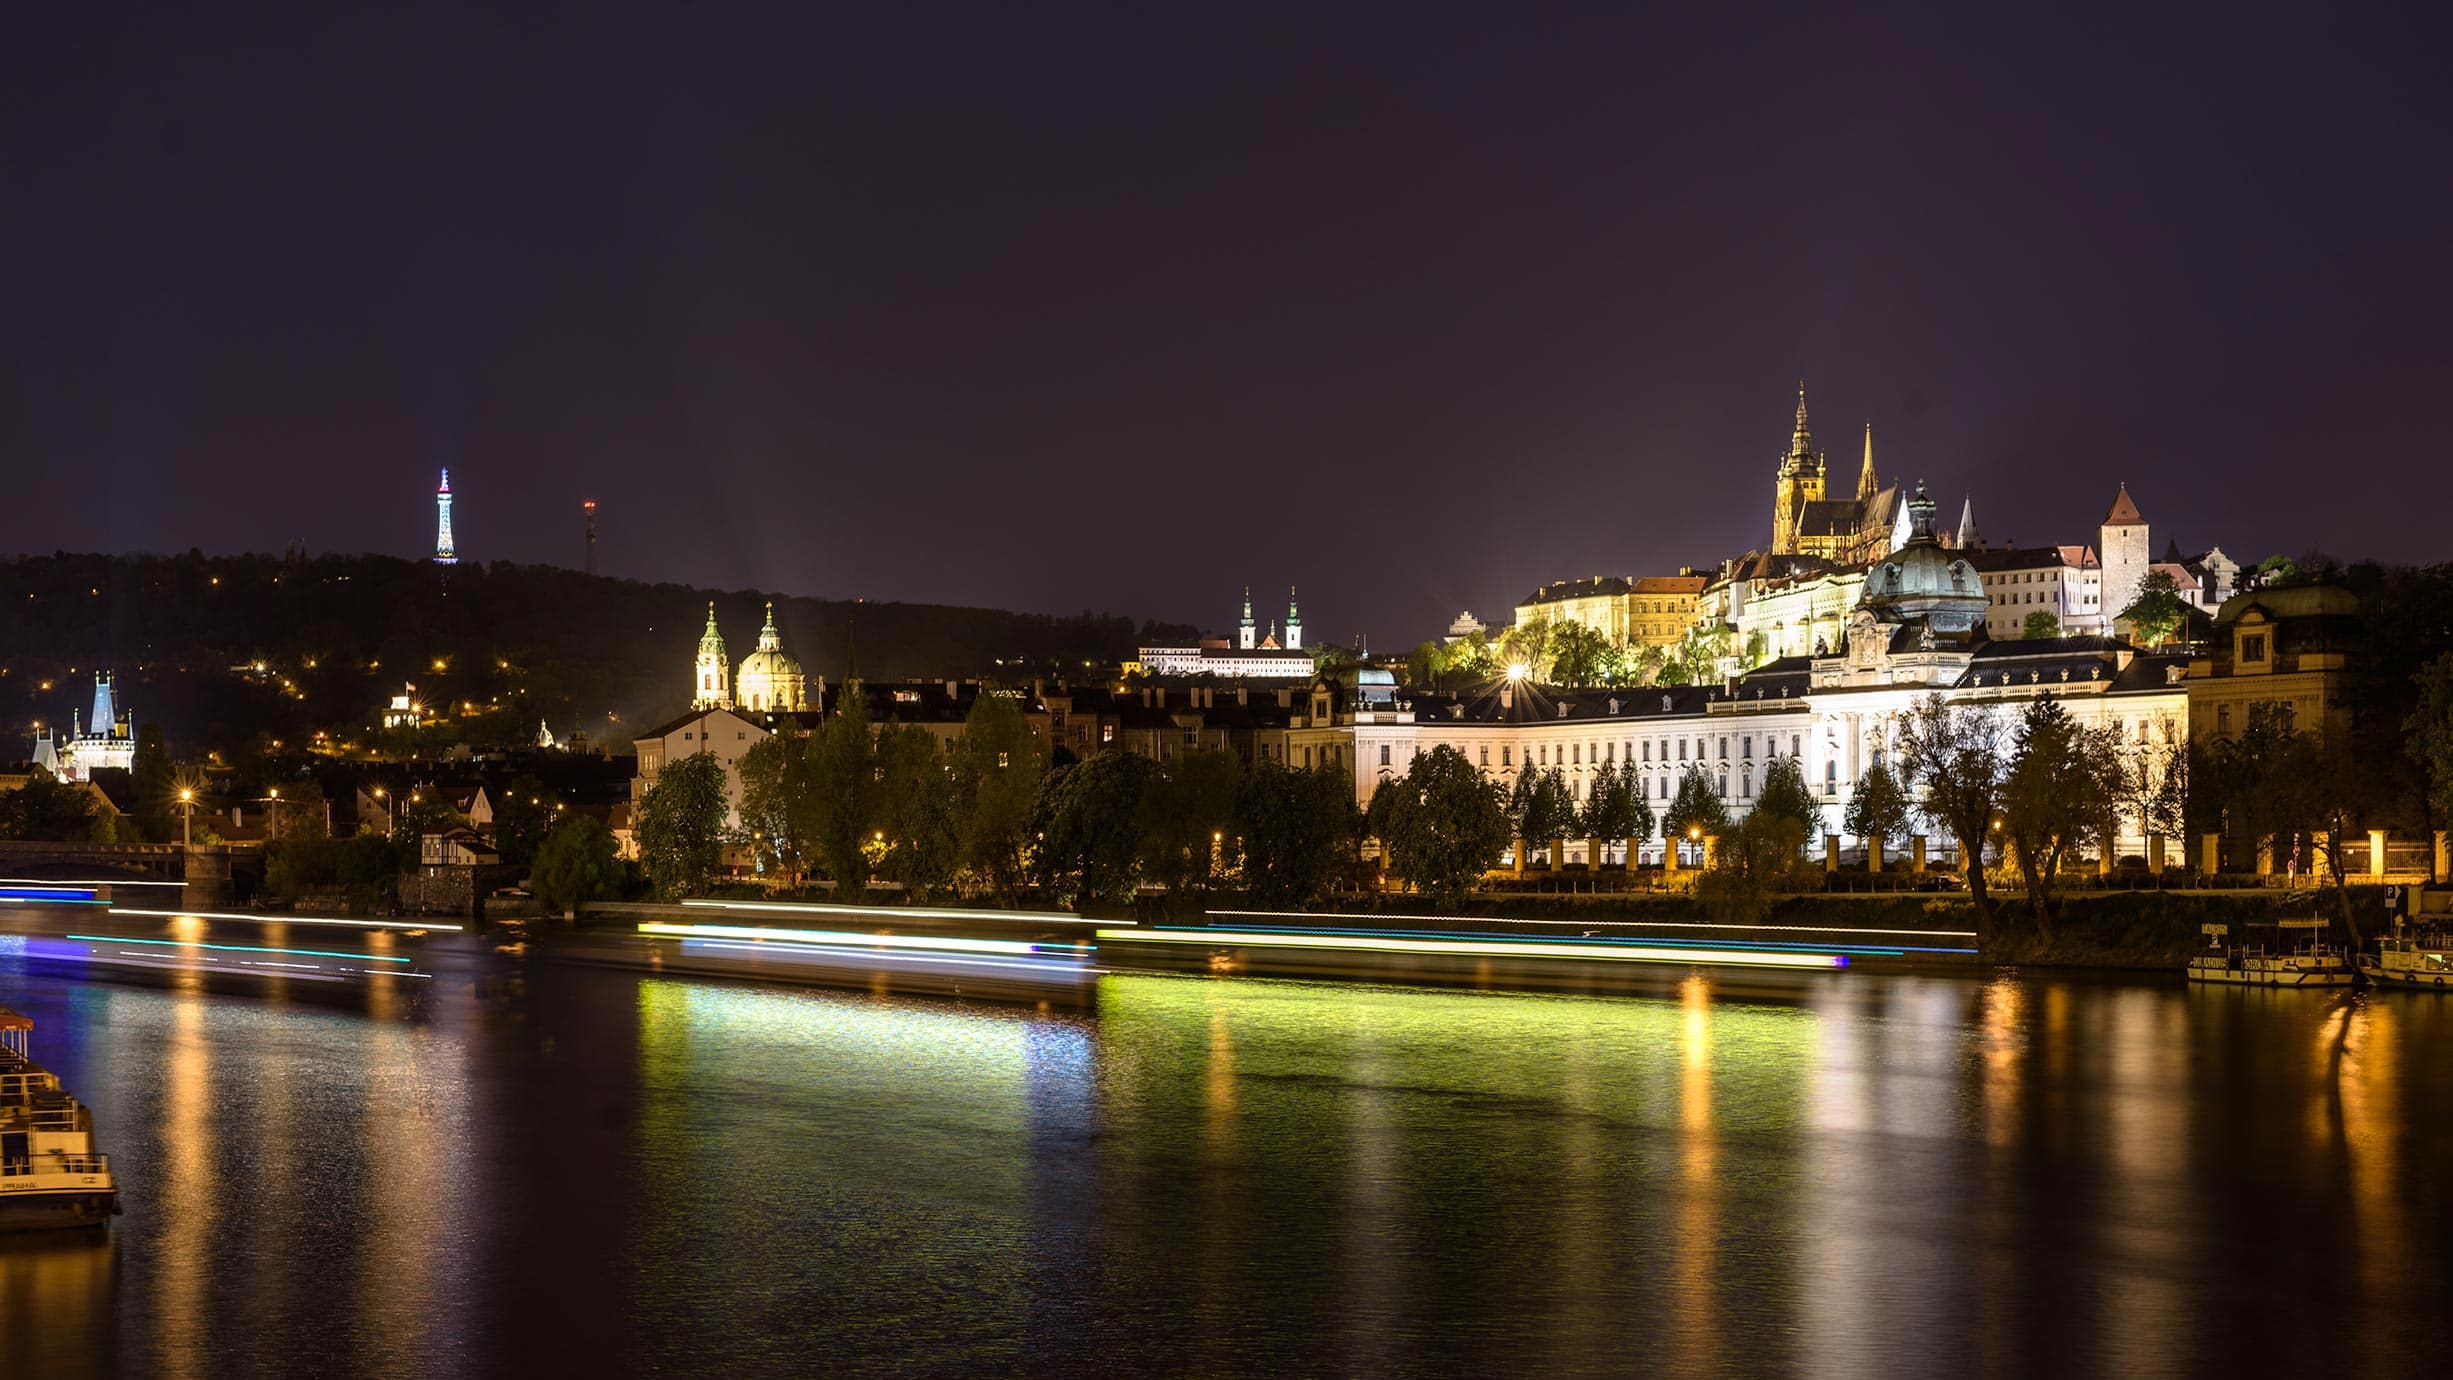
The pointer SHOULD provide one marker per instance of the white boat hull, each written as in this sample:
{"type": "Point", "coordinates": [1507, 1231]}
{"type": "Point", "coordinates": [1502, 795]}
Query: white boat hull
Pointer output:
{"type": "Point", "coordinates": [2398, 975]}
{"type": "Point", "coordinates": [2272, 972]}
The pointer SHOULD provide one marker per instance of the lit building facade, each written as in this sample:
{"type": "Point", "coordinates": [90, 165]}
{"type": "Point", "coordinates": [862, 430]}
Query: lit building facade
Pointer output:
{"type": "Point", "coordinates": [1631, 611]}
{"type": "Point", "coordinates": [104, 741]}
{"type": "Point", "coordinates": [1917, 629]}
{"type": "Point", "coordinates": [1253, 654]}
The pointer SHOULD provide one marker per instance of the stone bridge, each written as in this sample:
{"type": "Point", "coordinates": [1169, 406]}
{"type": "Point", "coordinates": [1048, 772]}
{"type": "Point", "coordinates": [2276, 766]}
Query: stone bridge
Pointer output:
{"type": "Point", "coordinates": [202, 876]}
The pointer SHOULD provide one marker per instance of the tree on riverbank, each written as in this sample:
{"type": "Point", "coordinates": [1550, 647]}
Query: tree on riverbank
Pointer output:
{"type": "Point", "coordinates": [1441, 823]}
{"type": "Point", "coordinates": [1879, 810]}
{"type": "Point", "coordinates": [575, 865]}
{"type": "Point", "coordinates": [1087, 822]}
{"type": "Point", "coordinates": [2429, 727]}
{"type": "Point", "coordinates": [1697, 809]}
{"type": "Point", "coordinates": [1615, 808]}
{"type": "Point", "coordinates": [2054, 798]}
{"type": "Point", "coordinates": [1297, 829]}
{"type": "Point", "coordinates": [997, 769]}
{"type": "Point", "coordinates": [1953, 756]}
{"type": "Point", "coordinates": [681, 825]}
{"type": "Point", "coordinates": [1753, 861]}
{"type": "Point", "coordinates": [1784, 796]}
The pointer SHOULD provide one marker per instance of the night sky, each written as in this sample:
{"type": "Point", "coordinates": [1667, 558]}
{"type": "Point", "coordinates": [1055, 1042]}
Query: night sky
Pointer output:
{"type": "Point", "coordinates": [1126, 307]}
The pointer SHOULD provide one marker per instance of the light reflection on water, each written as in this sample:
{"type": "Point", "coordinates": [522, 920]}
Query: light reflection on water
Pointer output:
{"type": "Point", "coordinates": [593, 1171]}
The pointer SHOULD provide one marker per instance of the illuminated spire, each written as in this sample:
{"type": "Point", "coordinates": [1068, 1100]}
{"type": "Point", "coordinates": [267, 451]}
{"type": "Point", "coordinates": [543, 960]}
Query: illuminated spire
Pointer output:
{"type": "Point", "coordinates": [1801, 441]}
{"type": "Point", "coordinates": [769, 640]}
{"type": "Point", "coordinates": [1967, 524]}
{"type": "Point", "coordinates": [443, 553]}
{"type": "Point", "coordinates": [1294, 622]}
{"type": "Point", "coordinates": [1245, 636]}
{"type": "Point", "coordinates": [1865, 477]}
{"type": "Point", "coordinates": [711, 685]}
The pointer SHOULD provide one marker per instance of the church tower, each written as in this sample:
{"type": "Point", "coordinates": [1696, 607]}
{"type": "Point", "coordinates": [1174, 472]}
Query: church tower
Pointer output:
{"type": "Point", "coordinates": [1246, 635]}
{"type": "Point", "coordinates": [1865, 477]}
{"type": "Point", "coordinates": [1294, 622]}
{"type": "Point", "coordinates": [1799, 482]}
{"type": "Point", "coordinates": [713, 689]}
{"type": "Point", "coordinates": [2123, 541]}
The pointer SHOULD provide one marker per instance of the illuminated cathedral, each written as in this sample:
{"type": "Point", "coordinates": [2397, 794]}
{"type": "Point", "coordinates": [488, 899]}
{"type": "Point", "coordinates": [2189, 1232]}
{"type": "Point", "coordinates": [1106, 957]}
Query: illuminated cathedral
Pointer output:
{"type": "Point", "coordinates": [1852, 531]}
{"type": "Point", "coordinates": [768, 680]}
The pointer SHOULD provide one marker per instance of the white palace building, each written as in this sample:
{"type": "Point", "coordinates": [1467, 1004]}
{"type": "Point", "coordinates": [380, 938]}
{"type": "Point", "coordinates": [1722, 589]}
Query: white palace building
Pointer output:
{"type": "Point", "coordinates": [1254, 654]}
{"type": "Point", "coordinates": [1918, 627]}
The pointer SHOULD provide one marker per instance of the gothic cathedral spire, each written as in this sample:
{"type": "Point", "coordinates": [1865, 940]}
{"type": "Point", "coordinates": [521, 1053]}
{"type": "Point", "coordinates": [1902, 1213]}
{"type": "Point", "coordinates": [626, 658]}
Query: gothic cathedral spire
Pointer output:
{"type": "Point", "coordinates": [1865, 477]}
{"type": "Point", "coordinates": [1799, 482]}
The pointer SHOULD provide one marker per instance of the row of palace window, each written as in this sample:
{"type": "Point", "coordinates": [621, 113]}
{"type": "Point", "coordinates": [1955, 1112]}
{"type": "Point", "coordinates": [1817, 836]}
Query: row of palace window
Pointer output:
{"type": "Point", "coordinates": [1580, 754]}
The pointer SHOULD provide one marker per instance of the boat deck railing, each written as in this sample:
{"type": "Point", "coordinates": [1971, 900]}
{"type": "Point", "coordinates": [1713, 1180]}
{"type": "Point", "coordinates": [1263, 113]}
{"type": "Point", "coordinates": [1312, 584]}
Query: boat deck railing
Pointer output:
{"type": "Point", "coordinates": [35, 1086]}
{"type": "Point", "coordinates": [64, 1115]}
{"type": "Point", "coordinates": [55, 1164]}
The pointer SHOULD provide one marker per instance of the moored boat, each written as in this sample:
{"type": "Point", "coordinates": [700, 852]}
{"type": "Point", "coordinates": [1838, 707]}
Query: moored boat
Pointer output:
{"type": "Point", "coordinates": [2299, 957]}
{"type": "Point", "coordinates": [2419, 958]}
{"type": "Point", "coordinates": [50, 1176]}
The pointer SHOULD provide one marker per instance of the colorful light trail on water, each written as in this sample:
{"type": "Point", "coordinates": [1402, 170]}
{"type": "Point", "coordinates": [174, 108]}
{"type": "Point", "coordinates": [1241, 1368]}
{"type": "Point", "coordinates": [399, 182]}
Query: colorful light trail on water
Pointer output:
{"type": "Point", "coordinates": [1473, 948]}
{"type": "Point", "coordinates": [934, 943]}
{"type": "Point", "coordinates": [1003, 917]}
{"type": "Point", "coordinates": [274, 919]}
{"type": "Point", "coordinates": [1316, 916]}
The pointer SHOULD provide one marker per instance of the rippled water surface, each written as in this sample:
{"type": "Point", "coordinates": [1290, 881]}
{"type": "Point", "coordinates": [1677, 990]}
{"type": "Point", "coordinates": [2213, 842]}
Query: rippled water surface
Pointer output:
{"type": "Point", "coordinates": [549, 1169]}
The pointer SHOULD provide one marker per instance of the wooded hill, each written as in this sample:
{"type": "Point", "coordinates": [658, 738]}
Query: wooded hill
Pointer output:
{"type": "Point", "coordinates": [501, 645]}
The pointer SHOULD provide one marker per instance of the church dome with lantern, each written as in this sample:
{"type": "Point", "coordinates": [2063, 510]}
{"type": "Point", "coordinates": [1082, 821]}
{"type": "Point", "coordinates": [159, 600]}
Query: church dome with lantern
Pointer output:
{"type": "Point", "coordinates": [1925, 583]}
{"type": "Point", "coordinates": [768, 679]}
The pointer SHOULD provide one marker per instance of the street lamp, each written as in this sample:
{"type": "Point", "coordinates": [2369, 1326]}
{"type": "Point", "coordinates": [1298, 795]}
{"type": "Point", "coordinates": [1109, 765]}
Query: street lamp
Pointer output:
{"type": "Point", "coordinates": [187, 818]}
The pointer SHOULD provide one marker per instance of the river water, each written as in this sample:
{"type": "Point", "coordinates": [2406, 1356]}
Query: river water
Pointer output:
{"type": "Point", "coordinates": [525, 1166]}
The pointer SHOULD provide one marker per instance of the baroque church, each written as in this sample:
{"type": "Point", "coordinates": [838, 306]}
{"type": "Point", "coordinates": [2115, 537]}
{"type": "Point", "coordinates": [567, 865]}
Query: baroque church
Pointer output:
{"type": "Point", "coordinates": [768, 679]}
{"type": "Point", "coordinates": [1808, 521]}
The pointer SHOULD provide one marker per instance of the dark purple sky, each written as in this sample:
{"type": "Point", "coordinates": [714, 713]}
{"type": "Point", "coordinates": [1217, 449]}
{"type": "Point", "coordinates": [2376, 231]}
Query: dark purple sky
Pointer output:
{"type": "Point", "coordinates": [1014, 305]}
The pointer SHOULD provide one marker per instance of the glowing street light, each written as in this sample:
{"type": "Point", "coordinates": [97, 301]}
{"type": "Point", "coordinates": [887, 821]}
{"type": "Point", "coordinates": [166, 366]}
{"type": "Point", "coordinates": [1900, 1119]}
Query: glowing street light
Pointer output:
{"type": "Point", "coordinates": [1518, 670]}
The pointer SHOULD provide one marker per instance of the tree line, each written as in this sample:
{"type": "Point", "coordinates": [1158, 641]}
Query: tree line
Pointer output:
{"type": "Point", "coordinates": [988, 814]}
